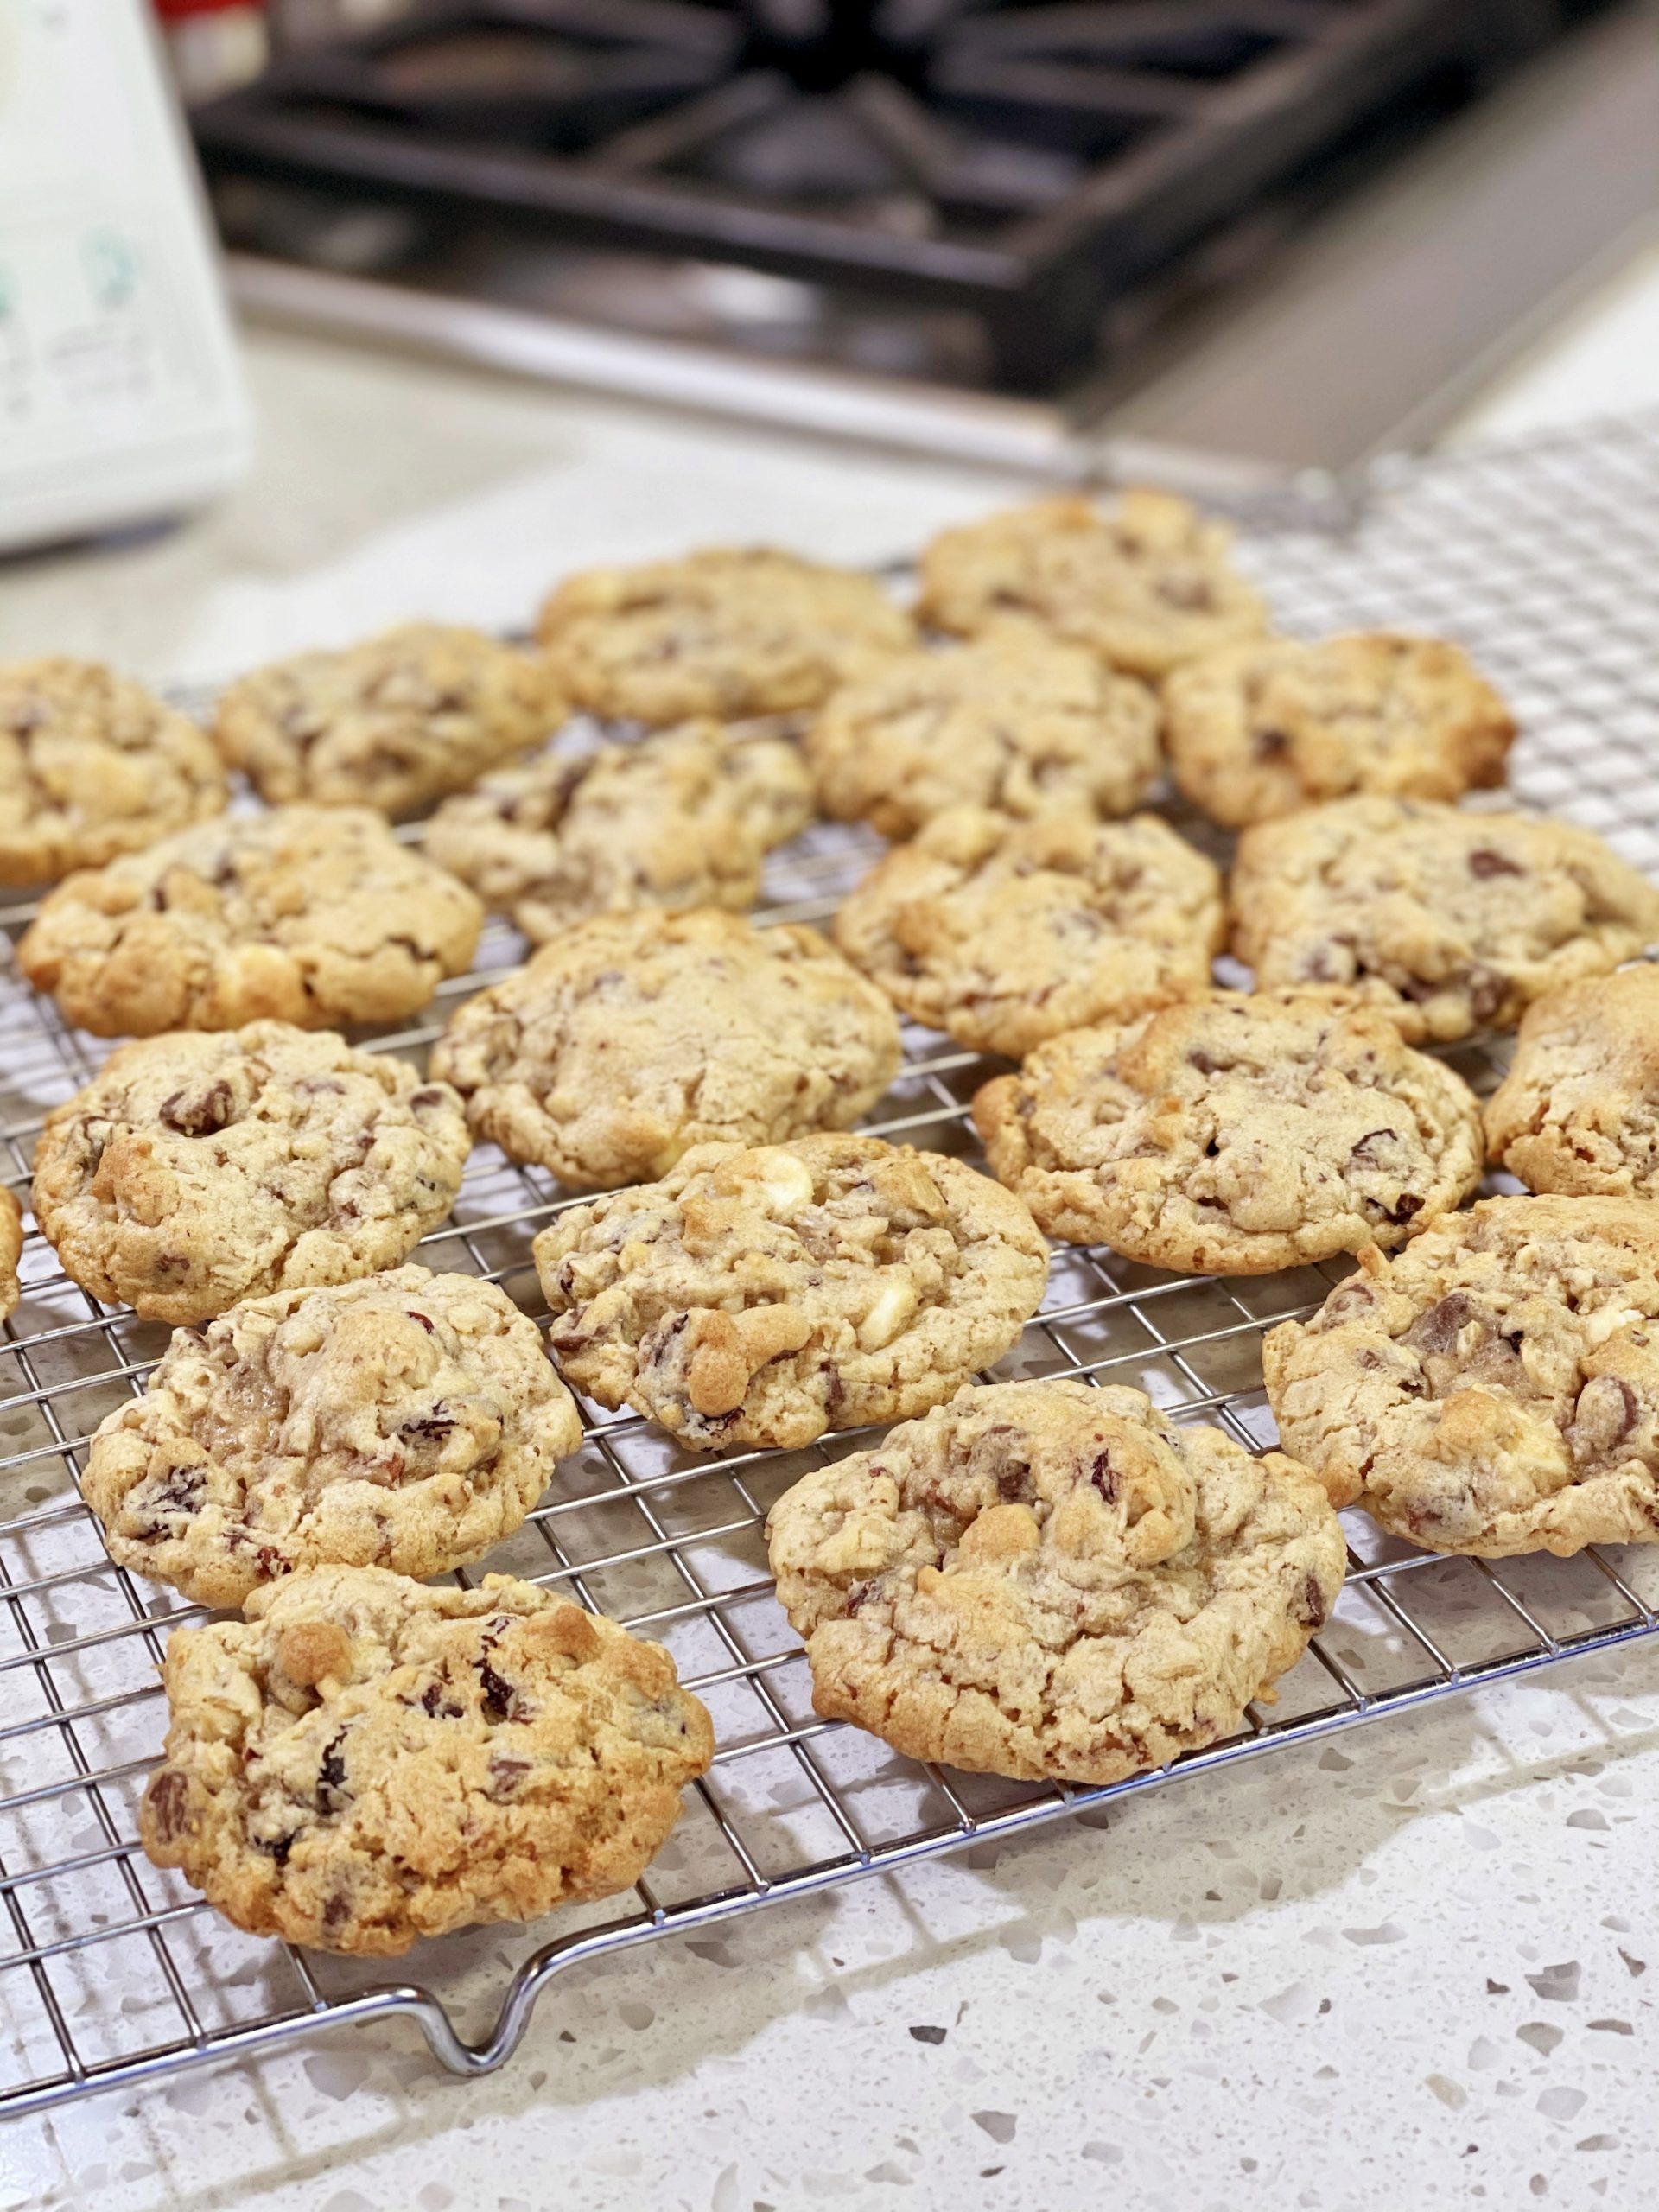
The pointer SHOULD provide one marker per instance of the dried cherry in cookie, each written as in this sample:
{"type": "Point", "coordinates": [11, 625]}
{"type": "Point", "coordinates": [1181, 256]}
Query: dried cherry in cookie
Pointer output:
{"type": "Point", "coordinates": [764, 1295]}
{"type": "Point", "coordinates": [201, 1168]}
{"type": "Point", "coordinates": [1495, 1388]}
{"type": "Point", "coordinates": [405, 1420]}
{"type": "Point", "coordinates": [1235, 1134]}
{"type": "Point", "coordinates": [367, 1760]}
{"type": "Point", "coordinates": [633, 1037]}
{"type": "Point", "coordinates": [1049, 1580]}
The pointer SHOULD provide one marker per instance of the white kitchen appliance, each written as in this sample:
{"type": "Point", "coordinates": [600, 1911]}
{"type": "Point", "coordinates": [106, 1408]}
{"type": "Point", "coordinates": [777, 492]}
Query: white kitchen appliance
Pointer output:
{"type": "Point", "coordinates": [121, 395]}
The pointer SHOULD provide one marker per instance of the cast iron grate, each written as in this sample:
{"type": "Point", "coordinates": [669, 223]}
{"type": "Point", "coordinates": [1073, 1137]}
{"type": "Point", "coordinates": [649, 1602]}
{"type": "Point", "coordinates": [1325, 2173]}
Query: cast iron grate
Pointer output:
{"type": "Point", "coordinates": [1028, 164]}
{"type": "Point", "coordinates": [1544, 558]}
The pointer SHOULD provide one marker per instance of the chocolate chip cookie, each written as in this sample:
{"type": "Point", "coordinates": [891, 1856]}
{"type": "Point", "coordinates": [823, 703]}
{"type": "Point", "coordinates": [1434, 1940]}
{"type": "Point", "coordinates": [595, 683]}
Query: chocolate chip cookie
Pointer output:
{"type": "Point", "coordinates": [764, 1296]}
{"type": "Point", "coordinates": [310, 914]}
{"type": "Point", "coordinates": [198, 1169]}
{"type": "Point", "coordinates": [92, 765]}
{"type": "Point", "coordinates": [1235, 1136]}
{"type": "Point", "coordinates": [633, 1037]}
{"type": "Point", "coordinates": [1006, 933]}
{"type": "Point", "coordinates": [729, 631]}
{"type": "Point", "coordinates": [1450, 922]}
{"type": "Point", "coordinates": [394, 722]}
{"type": "Point", "coordinates": [1046, 1580]}
{"type": "Point", "coordinates": [1578, 1110]}
{"type": "Point", "coordinates": [1015, 720]}
{"type": "Point", "coordinates": [1495, 1388]}
{"type": "Point", "coordinates": [11, 1251]}
{"type": "Point", "coordinates": [682, 819]}
{"type": "Point", "coordinates": [1145, 581]}
{"type": "Point", "coordinates": [366, 1761]}
{"type": "Point", "coordinates": [1260, 729]}
{"type": "Point", "coordinates": [406, 1421]}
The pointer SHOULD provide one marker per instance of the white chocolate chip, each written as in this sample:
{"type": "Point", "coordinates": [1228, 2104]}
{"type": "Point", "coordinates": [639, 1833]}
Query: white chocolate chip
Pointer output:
{"type": "Point", "coordinates": [890, 1308]}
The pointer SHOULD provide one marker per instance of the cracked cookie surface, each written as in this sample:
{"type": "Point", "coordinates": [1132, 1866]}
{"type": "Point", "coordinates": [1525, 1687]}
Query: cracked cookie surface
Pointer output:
{"type": "Point", "coordinates": [1450, 922]}
{"type": "Point", "coordinates": [406, 1421]}
{"type": "Point", "coordinates": [1015, 720]}
{"type": "Point", "coordinates": [1235, 1136]}
{"type": "Point", "coordinates": [633, 1037]}
{"type": "Point", "coordinates": [1045, 1578]}
{"type": "Point", "coordinates": [201, 1168]}
{"type": "Point", "coordinates": [682, 819]}
{"type": "Point", "coordinates": [763, 1295]}
{"type": "Point", "coordinates": [1143, 580]}
{"type": "Point", "coordinates": [1494, 1389]}
{"type": "Point", "coordinates": [1006, 933]}
{"type": "Point", "coordinates": [731, 632]}
{"type": "Point", "coordinates": [310, 914]}
{"type": "Point", "coordinates": [92, 765]}
{"type": "Point", "coordinates": [1262, 728]}
{"type": "Point", "coordinates": [366, 1760]}
{"type": "Point", "coordinates": [1579, 1110]}
{"type": "Point", "coordinates": [393, 722]}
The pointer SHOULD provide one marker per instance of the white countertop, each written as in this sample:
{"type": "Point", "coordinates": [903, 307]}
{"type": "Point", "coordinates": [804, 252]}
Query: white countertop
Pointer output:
{"type": "Point", "coordinates": [1415, 1966]}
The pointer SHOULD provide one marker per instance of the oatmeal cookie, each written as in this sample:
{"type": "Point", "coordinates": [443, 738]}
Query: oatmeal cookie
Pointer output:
{"type": "Point", "coordinates": [366, 1760]}
{"type": "Point", "coordinates": [1493, 1388]}
{"type": "Point", "coordinates": [92, 765]}
{"type": "Point", "coordinates": [309, 914]}
{"type": "Point", "coordinates": [1235, 1136]}
{"type": "Point", "coordinates": [1045, 1578]}
{"type": "Point", "coordinates": [11, 1251]}
{"type": "Point", "coordinates": [201, 1168]}
{"type": "Point", "coordinates": [1450, 922]}
{"type": "Point", "coordinates": [394, 722]}
{"type": "Point", "coordinates": [1578, 1110]}
{"type": "Point", "coordinates": [1263, 728]}
{"type": "Point", "coordinates": [406, 1421]}
{"type": "Point", "coordinates": [764, 1296]}
{"type": "Point", "coordinates": [729, 631]}
{"type": "Point", "coordinates": [1006, 933]}
{"type": "Point", "coordinates": [682, 819]}
{"type": "Point", "coordinates": [1145, 581]}
{"type": "Point", "coordinates": [633, 1037]}
{"type": "Point", "coordinates": [1015, 720]}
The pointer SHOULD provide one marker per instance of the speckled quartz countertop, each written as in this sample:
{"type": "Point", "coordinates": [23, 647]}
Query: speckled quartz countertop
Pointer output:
{"type": "Point", "coordinates": [1414, 1966]}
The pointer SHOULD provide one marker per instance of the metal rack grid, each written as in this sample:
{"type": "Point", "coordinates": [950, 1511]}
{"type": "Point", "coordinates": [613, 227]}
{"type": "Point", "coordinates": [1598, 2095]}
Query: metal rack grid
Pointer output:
{"type": "Point", "coordinates": [1544, 559]}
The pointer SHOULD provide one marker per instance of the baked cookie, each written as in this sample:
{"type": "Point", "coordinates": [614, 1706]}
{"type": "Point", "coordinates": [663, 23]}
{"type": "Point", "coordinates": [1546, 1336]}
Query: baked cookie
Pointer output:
{"type": "Point", "coordinates": [1260, 729]}
{"type": "Point", "coordinates": [1450, 922]}
{"type": "Point", "coordinates": [633, 1037]}
{"type": "Point", "coordinates": [91, 765]}
{"type": "Point", "coordinates": [732, 631]}
{"type": "Point", "coordinates": [1015, 720]}
{"type": "Point", "coordinates": [764, 1296]}
{"type": "Point", "coordinates": [681, 819]}
{"type": "Point", "coordinates": [1578, 1110]}
{"type": "Point", "coordinates": [394, 722]}
{"type": "Point", "coordinates": [1235, 1136]}
{"type": "Point", "coordinates": [199, 1169]}
{"type": "Point", "coordinates": [1145, 581]}
{"type": "Point", "coordinates": [1044, 1579]}
{"type": "Point", "coordinates": [1006, 933]}
{"type": "Point", "coordinates": [366, 1760]}
{"type": "Point", "coordinates": [1495, 1388]}
{"type": "Point", "coordinates": [309, 914]}
{"type": "Point", "coordinates": [407, 1420]}
{"type": "Point", "coordinates": [11, 1251]}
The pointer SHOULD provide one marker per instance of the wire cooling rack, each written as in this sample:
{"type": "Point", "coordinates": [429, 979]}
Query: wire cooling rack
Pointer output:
{"type": "Point", "coordinates": [1543, 559]}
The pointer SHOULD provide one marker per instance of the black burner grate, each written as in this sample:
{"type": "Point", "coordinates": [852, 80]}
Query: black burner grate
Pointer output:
{"type": "Point", "coordinates": [1028, 163]}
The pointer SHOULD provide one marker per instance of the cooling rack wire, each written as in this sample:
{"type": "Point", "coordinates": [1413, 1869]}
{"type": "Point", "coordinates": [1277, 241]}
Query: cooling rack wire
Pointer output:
{"type": "Point", "coordinates": [1542, 557]}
